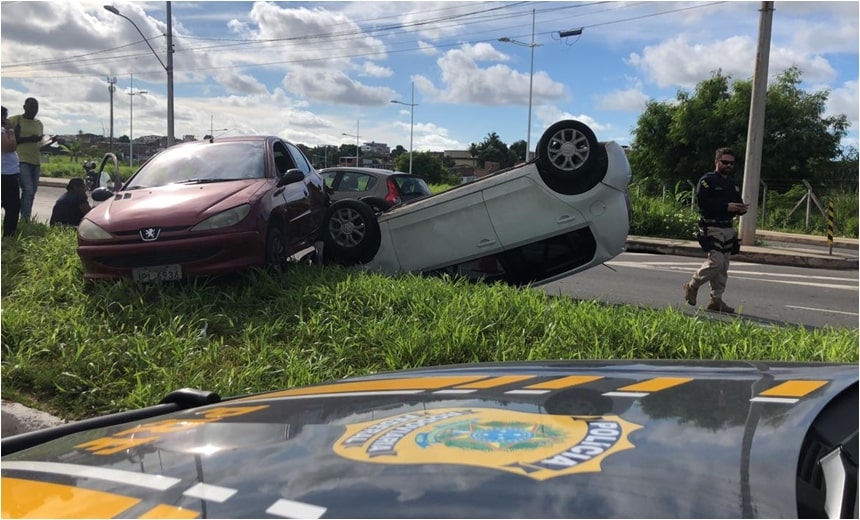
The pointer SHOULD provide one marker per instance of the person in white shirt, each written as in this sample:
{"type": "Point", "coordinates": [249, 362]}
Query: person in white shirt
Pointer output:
{"type": "Point", "coordinates": [10, 172]}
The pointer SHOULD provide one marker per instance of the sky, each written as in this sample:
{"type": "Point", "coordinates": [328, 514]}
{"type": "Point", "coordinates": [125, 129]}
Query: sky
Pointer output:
{"type": "Point", "coordinates": [325, 73]}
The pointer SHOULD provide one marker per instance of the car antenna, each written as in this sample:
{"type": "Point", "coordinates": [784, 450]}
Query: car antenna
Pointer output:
{"type": "Point", "coordinates": [609, 267]}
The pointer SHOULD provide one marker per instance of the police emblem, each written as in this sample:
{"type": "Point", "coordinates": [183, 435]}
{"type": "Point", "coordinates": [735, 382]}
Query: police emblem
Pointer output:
{"type": "Point", "coordinates": [538, 446]}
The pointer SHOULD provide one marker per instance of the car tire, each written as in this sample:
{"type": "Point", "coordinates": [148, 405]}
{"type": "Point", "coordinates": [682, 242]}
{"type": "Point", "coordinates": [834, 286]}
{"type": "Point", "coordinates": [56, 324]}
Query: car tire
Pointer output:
{"type": "Point", "coordinates": [569, 158]}
{"type": "Point", "coordinates": [276, 250]}
{"type": "Point", "coordinates": [350, 233]}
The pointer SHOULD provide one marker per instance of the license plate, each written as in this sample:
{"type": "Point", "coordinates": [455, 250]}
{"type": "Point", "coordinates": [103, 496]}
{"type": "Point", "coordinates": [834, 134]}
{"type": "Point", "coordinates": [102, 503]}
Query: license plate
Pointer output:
{"type": "Point", "coordinates": [159, 273]}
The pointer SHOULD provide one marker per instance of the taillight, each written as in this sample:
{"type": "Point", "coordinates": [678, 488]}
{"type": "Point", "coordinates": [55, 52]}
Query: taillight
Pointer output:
{"type": "Point", "coordinates": [393, 196]}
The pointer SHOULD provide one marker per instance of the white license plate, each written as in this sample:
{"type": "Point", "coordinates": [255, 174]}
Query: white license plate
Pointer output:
{"type": "Point", "coordinates": [159, 273]}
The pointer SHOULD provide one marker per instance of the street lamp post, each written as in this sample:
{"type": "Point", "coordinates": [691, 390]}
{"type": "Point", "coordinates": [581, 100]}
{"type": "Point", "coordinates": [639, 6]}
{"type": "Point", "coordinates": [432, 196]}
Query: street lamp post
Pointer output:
{"type": "Point", "coordinates": [167, 68]}
{"type": "Point", "coordinates": [357, 137]}
{"type": "Point", "coordinates": [131, 94]}
{"type": "Point", "coordinates": [412, 106]}
{"type": "Point", "coordinates": [532, 46]}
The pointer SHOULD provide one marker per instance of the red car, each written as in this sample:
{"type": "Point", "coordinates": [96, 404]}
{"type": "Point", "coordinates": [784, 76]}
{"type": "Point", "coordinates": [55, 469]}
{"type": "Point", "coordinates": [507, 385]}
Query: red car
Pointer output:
{"type": "Point", "coordinates": [205, 208]}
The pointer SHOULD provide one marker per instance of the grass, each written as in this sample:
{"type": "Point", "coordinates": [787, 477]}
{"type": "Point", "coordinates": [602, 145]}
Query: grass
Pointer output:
{"type": "Point", "coordinates": [79, 351]}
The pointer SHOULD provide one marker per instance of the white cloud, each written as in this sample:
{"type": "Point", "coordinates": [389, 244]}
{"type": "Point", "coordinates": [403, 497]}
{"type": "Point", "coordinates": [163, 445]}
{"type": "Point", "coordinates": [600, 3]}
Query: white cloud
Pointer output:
{"type": "Point", "coordinates": [427, 49]}
{"type": "Point", "coordinates": [466, 82]}
{"type": "Point", "coordinates": [374, 70]}
{"type": "Point", "coordinates": [631, 100]}
{"type": "Point", "coordinates": [334, 86]}
{"type": "Point", "coordinates": [844, 100]}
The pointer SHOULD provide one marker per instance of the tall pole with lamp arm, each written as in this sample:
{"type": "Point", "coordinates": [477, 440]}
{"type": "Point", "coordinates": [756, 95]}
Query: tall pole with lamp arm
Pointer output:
{"type": "Point", "coordinates": [411, 106]}
{"type": "Point", "coordinates": [532, 46]}
{"type": "Point", "coordinates": [167, 68]}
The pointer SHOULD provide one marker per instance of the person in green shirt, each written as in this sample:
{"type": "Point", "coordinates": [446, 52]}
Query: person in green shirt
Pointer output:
{"type": "Point", "coordinates": [31, 138]}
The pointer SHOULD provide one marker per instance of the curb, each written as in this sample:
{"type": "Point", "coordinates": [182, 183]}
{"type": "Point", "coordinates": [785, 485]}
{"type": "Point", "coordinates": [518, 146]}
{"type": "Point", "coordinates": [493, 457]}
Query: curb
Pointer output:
{"type": "Point", "coordinates": [16, 419]}
{"type": "Point", "coordinates": [752, 254]}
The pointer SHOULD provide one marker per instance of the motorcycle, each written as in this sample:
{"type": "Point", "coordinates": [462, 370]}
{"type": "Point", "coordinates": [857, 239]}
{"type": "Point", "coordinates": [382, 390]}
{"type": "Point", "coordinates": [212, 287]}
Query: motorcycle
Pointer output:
{"type": "Point", "coordinates": [92, 176]}
{"type": "Point", "coordinates": [95, 178]}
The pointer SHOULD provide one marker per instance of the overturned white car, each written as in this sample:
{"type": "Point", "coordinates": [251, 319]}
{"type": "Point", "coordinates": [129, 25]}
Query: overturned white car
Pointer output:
{"type": "Point", "coordinates": [564, 212]}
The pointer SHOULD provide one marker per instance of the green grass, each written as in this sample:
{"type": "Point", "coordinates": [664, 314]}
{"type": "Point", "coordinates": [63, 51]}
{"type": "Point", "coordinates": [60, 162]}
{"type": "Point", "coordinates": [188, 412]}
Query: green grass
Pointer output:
{"type": "Point", "coordinates": [79, 351]}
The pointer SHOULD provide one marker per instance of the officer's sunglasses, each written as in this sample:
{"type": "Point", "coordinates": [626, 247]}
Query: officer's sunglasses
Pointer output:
{"type": "Point", "coordinates": [727, 163]}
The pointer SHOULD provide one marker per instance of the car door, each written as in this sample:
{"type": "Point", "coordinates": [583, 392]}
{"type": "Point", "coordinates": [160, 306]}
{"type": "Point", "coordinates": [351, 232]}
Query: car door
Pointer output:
{"type": "Point", "coordinates": [310, 199]}
{"type": "Point", "coordinates": [444, 230]}
{"type": "Point", "coordinates": [291, 199]}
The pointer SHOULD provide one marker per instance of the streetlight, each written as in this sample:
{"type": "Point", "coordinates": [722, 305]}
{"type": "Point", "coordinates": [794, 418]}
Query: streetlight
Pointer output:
{"type": "Point", "coordinates": [411, 122]}
{"type": "Point", "coordinates": [131, 94]}
{"type": "Point", "coordinates": [168, 67]}
{"type": "Point", "coordinates": [357, 136]}
{"type": "Point", "coordinates": [532, 46]}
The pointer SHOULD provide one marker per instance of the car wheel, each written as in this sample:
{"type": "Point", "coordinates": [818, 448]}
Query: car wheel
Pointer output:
{"type": "Point", "coordinates": [350, 233]}
{"type": "Point", "coordinates": [569, 157]}
{"type": "Point", "coordinates": [276, 250]}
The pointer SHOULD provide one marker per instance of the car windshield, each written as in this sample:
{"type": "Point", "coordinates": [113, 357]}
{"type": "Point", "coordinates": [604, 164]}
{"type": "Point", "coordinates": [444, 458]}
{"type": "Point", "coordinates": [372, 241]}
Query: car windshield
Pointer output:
{"type": "Point", "coordinates": [204, 163]}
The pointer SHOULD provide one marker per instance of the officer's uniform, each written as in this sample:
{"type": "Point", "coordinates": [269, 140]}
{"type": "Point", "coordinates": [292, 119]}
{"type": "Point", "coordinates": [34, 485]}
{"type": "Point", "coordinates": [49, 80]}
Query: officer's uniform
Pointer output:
{"type": "Point", "coordinates": [717, 237]}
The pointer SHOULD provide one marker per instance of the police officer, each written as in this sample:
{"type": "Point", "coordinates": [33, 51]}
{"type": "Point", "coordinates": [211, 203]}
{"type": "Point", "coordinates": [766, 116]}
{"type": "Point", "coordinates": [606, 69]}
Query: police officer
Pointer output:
{"type": "Point", "coordinates": [719, 202]}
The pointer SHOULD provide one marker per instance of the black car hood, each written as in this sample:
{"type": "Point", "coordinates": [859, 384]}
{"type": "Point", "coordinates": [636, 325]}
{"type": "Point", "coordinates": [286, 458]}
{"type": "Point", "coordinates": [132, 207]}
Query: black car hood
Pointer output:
{"type": "Point", "coordinates": [565, 439]}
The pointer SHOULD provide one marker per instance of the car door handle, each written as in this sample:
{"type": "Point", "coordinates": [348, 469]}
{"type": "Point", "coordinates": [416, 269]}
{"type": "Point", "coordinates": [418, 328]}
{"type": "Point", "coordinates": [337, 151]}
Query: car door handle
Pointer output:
{"type": "Point", "coordinates": [565, 219]}
{"type": "Point", "coordinates": [486, 242]}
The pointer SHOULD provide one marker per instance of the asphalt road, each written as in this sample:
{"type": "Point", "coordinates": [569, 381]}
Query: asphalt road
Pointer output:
{"type": "Point", "coordinates": [767, 294]}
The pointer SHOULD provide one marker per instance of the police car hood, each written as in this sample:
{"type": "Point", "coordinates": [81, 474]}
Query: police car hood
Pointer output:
{"type": "Point", "coordinates": [565, 439]}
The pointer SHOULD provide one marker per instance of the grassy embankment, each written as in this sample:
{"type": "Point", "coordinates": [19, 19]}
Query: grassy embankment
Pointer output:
{"type": "Point", "coordinates": [79, 352]}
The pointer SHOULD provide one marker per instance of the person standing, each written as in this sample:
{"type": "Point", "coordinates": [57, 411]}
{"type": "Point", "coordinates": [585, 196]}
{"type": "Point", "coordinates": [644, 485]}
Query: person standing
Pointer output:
{"type": "Point", "coordinates": [71, 207]}
{"type": "Point", "coordinates": [10, 173]}
{"type": "Point", "coordinates": [30, 137]}
{"type": "Point", "coordinates": [719, 202]}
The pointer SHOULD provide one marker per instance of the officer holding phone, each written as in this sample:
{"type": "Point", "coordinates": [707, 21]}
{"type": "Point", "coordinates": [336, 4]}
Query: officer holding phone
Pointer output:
{"type": "Point", "coordinates": [719, 202]}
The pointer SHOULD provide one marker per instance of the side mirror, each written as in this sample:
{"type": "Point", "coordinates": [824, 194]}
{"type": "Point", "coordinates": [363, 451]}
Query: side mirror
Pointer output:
{"type": "Point", "coordinates": [293, 175]}
{"type": "Point", "coordinates": [101, 194]}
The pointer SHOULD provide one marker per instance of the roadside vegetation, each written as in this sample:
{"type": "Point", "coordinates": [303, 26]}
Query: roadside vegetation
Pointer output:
{"type": "Point", "coordinates": [81, 350]}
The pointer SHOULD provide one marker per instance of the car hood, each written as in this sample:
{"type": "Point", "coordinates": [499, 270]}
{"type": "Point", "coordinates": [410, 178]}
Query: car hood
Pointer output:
{"type": "Point", "coordinates": [564, 439]}
{"type": "Point", "coordinates": [173, 205]}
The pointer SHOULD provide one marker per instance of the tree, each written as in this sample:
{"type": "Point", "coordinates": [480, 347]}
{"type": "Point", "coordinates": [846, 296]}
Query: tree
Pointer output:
{"type": "Point", "coordinates": [73, 148]}
{"type": "Point", "coordinates": [398, 151]}
{"type": "Point", "coordinates": [425, 165]}
{"type": "Point", "coordinates": [675, 141]}
{"type": "Point", "coordinates": [518, 149]}
{"type": "Point", "coordinates": [493, 149]}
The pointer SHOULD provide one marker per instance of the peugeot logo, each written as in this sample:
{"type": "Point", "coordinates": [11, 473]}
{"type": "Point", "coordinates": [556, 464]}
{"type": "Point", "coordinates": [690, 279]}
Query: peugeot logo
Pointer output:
{"type": "Point", "coordinates": [149, 234]}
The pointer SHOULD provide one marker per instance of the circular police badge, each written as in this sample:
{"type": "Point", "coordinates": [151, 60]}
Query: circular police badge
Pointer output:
{"type": "Point", "coordinates": [539, 446]}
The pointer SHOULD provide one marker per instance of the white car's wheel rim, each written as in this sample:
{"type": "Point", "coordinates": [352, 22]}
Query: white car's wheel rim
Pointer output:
{"type": "Point", "coordinates": [347, 227]}
{"type": "Point", "coordinates": [568, 149]}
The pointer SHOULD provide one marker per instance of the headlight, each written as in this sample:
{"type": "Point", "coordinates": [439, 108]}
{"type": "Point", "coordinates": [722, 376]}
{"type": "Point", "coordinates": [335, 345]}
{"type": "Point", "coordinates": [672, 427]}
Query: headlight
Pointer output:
{"type": "Point", "coordinates": [88, 230]}
{"type": "Point", "coordinates": [224, 219]}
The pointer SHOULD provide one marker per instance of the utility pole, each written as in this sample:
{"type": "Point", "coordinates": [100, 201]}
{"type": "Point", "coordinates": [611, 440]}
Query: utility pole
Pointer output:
{"type": "Point", "coordinates": [755, 132]}
{"type": "Point", "coordinates": [111, 89]}
{"type": "Point", "coordinates": [171, 138]}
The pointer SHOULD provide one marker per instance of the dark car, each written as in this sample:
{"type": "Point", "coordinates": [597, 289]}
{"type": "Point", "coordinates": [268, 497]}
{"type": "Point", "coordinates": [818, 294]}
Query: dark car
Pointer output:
{"type": "Point", "coordinates": [381, 189]}
{"type": "Point", "coordinates": [596, 439]}
{"type": "Point", "coordinates": [204, 208]}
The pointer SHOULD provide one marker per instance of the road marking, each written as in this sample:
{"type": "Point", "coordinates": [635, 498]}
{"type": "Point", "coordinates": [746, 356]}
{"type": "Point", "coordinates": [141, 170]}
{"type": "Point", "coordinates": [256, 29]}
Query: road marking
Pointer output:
{"type": "Point", "coordinates": [130, 478]}
{"type": "Point", "coordinates": [820, 310]}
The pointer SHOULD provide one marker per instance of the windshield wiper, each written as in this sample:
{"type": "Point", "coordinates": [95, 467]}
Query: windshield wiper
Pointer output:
{"type": "Point", "coordinates": [203, 181]}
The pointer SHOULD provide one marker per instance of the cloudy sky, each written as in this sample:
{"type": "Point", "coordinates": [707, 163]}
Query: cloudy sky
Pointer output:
{"type": "Point", "coordinates": [313, 71]}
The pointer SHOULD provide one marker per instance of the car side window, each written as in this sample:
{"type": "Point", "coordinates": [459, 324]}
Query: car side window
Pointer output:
{"type": "Point", "coordinates": [283, 160]}
{"type": "Point", "coordinates": [300, 160]}
{"type": "Point", "coordinates": [353, 181]}
{"type": "Point", "coordinates": [328, 178]}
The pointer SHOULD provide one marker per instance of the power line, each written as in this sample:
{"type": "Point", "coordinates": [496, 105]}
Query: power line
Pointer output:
{"type": "Point", "coordinates": [362, 33]}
